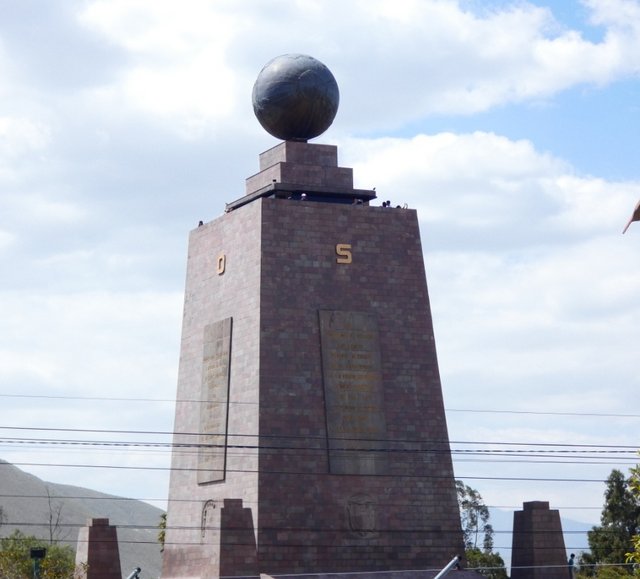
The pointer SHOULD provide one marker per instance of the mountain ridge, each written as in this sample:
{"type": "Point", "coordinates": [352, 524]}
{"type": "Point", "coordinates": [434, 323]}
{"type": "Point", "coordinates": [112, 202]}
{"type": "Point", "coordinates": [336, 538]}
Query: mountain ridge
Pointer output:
{"type": "Point", "coordinates": [56, 512]}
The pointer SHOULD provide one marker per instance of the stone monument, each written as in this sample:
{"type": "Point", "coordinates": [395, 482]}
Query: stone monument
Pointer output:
{"type": "Point", "coordinates": [538, 543]}
{"type": "Point", "coordinates": [310, 433]}
{"type": "Point", "coordinates": [97, 551]}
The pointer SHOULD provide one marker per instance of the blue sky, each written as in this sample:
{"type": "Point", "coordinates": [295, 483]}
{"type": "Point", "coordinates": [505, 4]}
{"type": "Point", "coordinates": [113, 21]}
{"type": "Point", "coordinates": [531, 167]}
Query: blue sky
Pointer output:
{"type": "Point", "coordinates": [511, 127]}
{"type": "Point", "coordinates": [594, 129]}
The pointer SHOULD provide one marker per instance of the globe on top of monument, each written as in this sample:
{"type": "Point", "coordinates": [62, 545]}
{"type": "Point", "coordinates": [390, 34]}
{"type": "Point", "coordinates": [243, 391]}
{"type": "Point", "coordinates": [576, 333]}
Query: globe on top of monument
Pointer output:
{"type": "Point", "coordinates": [295, 97]}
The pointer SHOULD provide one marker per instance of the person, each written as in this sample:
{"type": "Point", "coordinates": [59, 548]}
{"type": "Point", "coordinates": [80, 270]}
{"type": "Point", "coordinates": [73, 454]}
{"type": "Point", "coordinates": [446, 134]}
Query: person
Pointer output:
{"type": "Point", "coordinates": [571, 563]}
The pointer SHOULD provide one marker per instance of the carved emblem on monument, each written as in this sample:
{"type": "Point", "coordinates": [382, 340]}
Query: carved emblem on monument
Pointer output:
{"type": "Point", "coordinates": [207, 520]}
{"type": "Point", "coordinates": [362, 515]}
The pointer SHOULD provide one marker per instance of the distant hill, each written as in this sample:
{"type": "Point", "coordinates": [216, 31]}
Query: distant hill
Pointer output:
{"type": "Point", "coordinates": [23, 498]}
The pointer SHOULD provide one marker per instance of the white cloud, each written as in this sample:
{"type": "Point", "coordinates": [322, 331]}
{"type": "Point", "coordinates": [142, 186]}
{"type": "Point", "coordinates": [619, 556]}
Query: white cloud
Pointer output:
{"type": "Point", "coordinates": [89, 342]}
{"type": "Point", "coordinates": [197, 65]}
{"type": "Point", "coordinates": [483, 180]}
{"type": "Point", "coordinates": [26, 209]}
{"type": "Point", "coordinates": [178, 55]}
{"type": "Point", "coordinates": [25, 364]}
{"type": "Point", "coordinates": [560, 320]}
{"type": "Point", "coordinates": [621, 15]}
{"type": "Point", "coordinates": [592, 204]}
{"type": "Point", "coordinates": [477, 180]}
{"type": "Point", "coordinates": [20, 135]}
{"type": "Point", "coordinates": [6, 240]}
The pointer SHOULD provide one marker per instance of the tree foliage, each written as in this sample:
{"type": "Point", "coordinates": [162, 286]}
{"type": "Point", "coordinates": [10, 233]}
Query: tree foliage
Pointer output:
{"type": "Point", "coordinates": [16, 562]}
{"type": "Point", "coordinates": [476, 530]}
{"type": "Point", "coordinates": [489, 564]}
{"type": "Point", "coordinates": [610, 542]}
{"type": "Point", "coordinates": [633, 556]}
{"type": "Point", "coordinates": [474, 517]}
{"type": "Point", "coordinates": [162, 530]}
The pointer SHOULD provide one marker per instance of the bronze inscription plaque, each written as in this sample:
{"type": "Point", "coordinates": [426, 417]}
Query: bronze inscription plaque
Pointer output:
{"type": "Point", "coordinates": [214, 402]}
{"type": "Point", "coordinates": [352, 377]}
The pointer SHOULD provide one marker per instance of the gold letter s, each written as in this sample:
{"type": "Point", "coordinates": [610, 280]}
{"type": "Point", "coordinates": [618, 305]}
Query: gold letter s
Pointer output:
{"type": "Point", "coordinates": [343, 251]}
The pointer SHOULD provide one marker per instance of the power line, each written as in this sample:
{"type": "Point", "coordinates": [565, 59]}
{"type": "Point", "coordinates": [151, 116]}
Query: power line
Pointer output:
{"type": "Point", "coordinates": [411, 456]}
{"type": "Point", "coordinates": [238, 402]}
{"type": "Point", "coordinates": [305, 473]}
{"type": "Point", "coordinates": [443, 443]}
{"type": "Point", "coordinates": [527, 452]}
{"type": "Point", "coordinates": [546, 413]}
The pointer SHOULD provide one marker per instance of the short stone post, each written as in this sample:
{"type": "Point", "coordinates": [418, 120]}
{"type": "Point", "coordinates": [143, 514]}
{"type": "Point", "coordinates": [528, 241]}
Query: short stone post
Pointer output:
{"type": "Point", "coordinates": [538, 544]}
{"type": "Point", "coordinates": [98, 550]}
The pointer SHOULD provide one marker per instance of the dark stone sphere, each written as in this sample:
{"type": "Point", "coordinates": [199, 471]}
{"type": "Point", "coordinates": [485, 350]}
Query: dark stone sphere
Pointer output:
{"type": "Point", "coordinates": [295, 97]}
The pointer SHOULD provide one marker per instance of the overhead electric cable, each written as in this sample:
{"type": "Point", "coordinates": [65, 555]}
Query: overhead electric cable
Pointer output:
{"type": "Point", "coordinates": [240, 402]}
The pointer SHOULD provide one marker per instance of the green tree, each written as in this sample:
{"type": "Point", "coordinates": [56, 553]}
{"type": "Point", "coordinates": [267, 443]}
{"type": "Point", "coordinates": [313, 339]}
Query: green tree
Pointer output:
{"type": "Point", "coordinates": [633, 556]}
{"type": "Point", "coordinates": [476, 530]}
{"type": "Point", "coordinates": [474, 517]}
{"type": "Point", "coordinates": [162, 526]}
{"type": "Point", "coordinates": [16, 562]}
{"type": "Point", "coordinates": [604, 572]}
{"type": "Point", "coordinates": [610, 542]}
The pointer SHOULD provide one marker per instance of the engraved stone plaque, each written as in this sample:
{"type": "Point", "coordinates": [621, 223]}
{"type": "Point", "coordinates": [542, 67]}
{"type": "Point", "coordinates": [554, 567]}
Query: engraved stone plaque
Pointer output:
{"type": "Point", "coordinates": [214, 401]}
{"type": "Point", "coordinates": [352, 377]}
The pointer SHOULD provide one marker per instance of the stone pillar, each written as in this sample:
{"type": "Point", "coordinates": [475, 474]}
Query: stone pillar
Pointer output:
{"type": "Point", "coordinates": [98, 549]}
{"type": "Point", "coordinates": [538, 544]}
{"type": "Point", "coordinates": [238, 553]}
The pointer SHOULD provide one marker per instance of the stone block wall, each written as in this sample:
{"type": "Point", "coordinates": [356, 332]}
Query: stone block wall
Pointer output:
{"type": "Point", "coordinates": [215, 291]}
{"type": "Point", "coordinates": [303, 163]}
{"type": "Point", "coordinates": [311, 519]}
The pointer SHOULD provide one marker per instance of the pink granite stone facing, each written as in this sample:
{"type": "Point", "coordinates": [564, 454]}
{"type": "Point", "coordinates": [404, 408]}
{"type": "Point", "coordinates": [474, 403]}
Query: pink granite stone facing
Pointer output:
{"type": "Point", "coordinates": [298, 153]}
{"type": "Point", "coordinates": [301, 163]}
